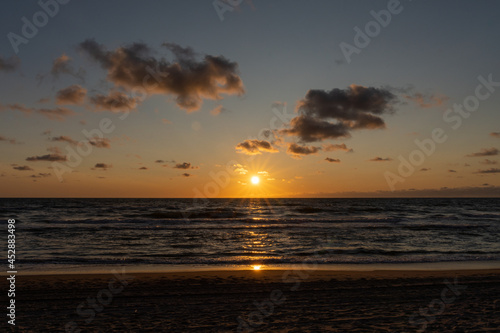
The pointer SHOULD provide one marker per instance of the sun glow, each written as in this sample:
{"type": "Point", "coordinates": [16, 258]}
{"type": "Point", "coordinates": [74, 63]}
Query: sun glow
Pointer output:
{"type": "Point", "coordinates": [257, 267]}
{"type": "Point", "coordinates": [255, 180]}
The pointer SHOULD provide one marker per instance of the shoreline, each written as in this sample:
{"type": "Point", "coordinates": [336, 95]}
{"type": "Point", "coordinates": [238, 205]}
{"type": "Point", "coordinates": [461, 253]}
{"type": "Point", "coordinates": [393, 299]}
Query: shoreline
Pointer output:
{"type": "Point", "coordinates": [166, 269]}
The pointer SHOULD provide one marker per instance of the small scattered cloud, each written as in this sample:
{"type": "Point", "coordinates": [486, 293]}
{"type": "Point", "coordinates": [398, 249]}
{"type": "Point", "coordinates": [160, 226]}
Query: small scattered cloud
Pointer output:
{"type": "Point", "coordinates": [254, 147]}
{"type": "Point", "coordinates": [425, 169]}
{"type": "Point", "coordinates": [54, 150]}
{"type": "Point", "coordinates": [64, 138]}
{"type": "Point", "coordinates": [143, 168]}
{"type": "Point", "coordinates": [218, 110]}
{"type": "Point", "coordinates": [116, 101]}
{"type": "Point", "coordinates": [48, 157]}
{"type": "Point", "coordinates": [298, 151]}
{"type": "Point", "coordinates": [336, 147]}
{"type": "Point", "coordinates": [40, 175]}
{"type": "Point", "coordinates": [452, 171]}
{"type": "Point", "coordinates": [485, 152]}
{"type": "Point", "coordinates": [187, 174]}
{"type": "Point", "coordinates": [380, 159]}
{"type": "Point", "coordinates": [102, 166]}
{"type": "Point", "coordinates": [100, 142]}
{"type": "Point", "coordinates": [166, 121]}
{"type": "Point", "coordinates": [72, 95]}
{"type": "Point", "coordinates": [487, 171]}
{"type": "Point", "coordinates": [427, 100]}
{"type": "Point", "coordinates": [488, 162]}
{"type": "Point", "coordinates": [495, 134]}
{"type": "Point", "coordinates": [9, 64]}
{"type": "Point", "coordinates": [184, 166]}
{"type": "Point", "coordinates": [22, 168]}
{"type": "Point", "coordinates": [332, 160]}
{"type": "Point", "coordinates": [5, 139]}
{"type": "Point", "coordinates": [59, 113]}
{"type": "Point", "coordinates": [62, 65]}
{"type": "Point", "coordinates": [240, 169]}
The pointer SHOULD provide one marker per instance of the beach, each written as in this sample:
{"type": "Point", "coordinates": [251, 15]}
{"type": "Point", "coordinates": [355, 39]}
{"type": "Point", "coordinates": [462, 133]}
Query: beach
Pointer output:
{"type": "Point", "coordinates": [277, 300]}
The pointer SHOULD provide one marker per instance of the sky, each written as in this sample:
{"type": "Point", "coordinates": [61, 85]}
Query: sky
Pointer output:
{"type": "Point", "coordinates": [194, 98]}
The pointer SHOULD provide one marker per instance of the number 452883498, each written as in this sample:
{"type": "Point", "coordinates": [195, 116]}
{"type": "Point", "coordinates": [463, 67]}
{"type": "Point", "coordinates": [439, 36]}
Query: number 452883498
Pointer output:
{"type": "Point", "coordinates": [11, 254]}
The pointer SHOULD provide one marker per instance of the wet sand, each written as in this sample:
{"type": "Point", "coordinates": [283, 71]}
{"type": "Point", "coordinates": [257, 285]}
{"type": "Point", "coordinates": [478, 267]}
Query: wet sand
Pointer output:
{"type": "Point", "coordinates": [260, 301]}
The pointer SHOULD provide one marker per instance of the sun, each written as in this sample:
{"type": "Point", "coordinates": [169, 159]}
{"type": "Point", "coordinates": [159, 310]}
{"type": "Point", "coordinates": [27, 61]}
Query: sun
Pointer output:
{"type": "Point", "coordinates": [255, 180]}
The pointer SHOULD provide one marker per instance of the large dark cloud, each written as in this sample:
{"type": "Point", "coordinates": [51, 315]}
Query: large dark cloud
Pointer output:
{"type": "Point", "coordinates": [254, 147]}
{"type": "Point", "coordinates": [334, 114]}
{"type": "Point", "coordinates": [9, 64]}
{"type": "Point", "coordinates": [485, 152]}
{"type": "Point", "coordinates": [188, 80]}
{"type": "Point", "coordinates": [74, 94]}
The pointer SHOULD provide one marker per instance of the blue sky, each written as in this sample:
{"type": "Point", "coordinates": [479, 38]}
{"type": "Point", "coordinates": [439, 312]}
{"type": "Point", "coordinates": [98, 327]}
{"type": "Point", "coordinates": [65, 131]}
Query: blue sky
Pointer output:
{"type": "Point", "coordinates": [283, 49]}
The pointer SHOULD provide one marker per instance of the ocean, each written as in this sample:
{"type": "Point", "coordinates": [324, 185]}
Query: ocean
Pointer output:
{"type": "Point", "coordinates": [65, 234]}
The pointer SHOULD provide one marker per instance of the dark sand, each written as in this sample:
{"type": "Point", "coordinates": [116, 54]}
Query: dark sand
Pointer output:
{"type": "Point", "coordinates": [260, 301]}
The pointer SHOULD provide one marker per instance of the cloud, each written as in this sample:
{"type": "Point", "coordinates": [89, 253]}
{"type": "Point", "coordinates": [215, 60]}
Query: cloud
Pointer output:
{"type": "Point", "coordinates": [55, 150]}
{"type": "Point", "coordinates": [186, 174]}
{"type": "Point", "coordinates": [115, 102]}
{"type": "Point", "coordinates": [64, 138]}
{"type": "Point", "coordinates": [240, 169]}
{"type": "Point", "coordinates": [41, 175]}
{"type": "Point", "coordinates": [332, 160]}
{"type": "Point", "coordinates": [485, 152]}
{"type": "Point", "coordinates": [22, 168]}
{"type": "Point", "coordinates": [452, 171]}
{"type": "Point", "coordinates": [184, 166]}
{"type": "Point", "coordinates": [10, 64]}
{"type": "Point", "coordinates": [491, 170]}
{"type": "Point", "coordinates": [254, 147]}
{"type": "Point", "coordinates": [143, 168]}
{"type": "Point", "coordinates": [218, 110]}
{"type": "Point", "coordinates": [48, 157]}
{"type": "Point", "coordinates": [166, 121]}
{"type": "Point", "coordinates": [333, 147]}
{"type": "Point", "coordinates": [190, 81]}
{"type": "Point", "coordinates": [296, 150]}
{"type": "Point", "coordinates": [380, 159]}
{"type": "Point", "coordinates": [489, 162]}
{"type": "Point", "coordinates": [356, 107]}
{"type": "Point", "coordinates": [61, 65]}
{"type": "Point", "coordinates": [53, 114]}
{"type": "Point", "coordinates": [495, 134]}
{"type": "Point", "coordinates": [425, 169]}
{"type": "Point", "coordinates": [102, 166]}
{"type": "Point", "coordinates": [72, 95]}
{"type": "Point", "coordinates": [100, 142]}
{"type": "Point", "coordinates": [427, 101]}
{"type": "Point", "coordinates": [11, 141]}
{"type": "Point", "coordinates": [159, 161]}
